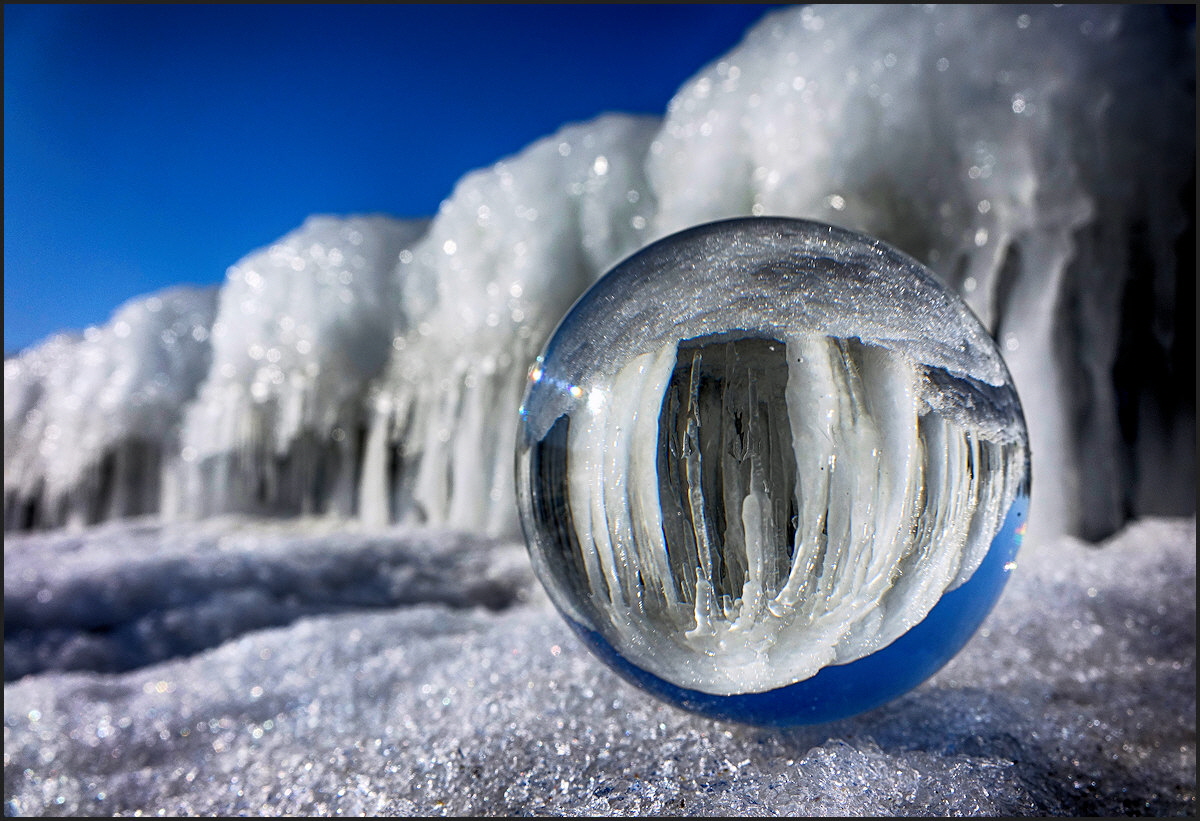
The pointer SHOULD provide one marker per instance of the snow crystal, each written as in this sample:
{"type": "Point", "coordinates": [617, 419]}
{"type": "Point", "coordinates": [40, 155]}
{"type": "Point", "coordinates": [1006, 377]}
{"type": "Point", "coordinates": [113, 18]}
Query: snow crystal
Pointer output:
{"type": "Point", "coordinates": [1077, 697]}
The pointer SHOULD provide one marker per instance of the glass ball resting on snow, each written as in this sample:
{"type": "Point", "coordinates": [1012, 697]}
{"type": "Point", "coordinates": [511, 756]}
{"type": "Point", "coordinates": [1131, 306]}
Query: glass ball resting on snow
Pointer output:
{"type": "Point", "coordinates": [772, 471]}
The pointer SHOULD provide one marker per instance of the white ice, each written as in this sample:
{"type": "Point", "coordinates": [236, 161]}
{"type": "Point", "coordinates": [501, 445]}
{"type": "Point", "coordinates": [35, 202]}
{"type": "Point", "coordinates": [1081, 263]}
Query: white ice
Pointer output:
{"type": "Point", "coordinates": [1036, 158]}
{"type": "Point", "coordinates": [90, 419]}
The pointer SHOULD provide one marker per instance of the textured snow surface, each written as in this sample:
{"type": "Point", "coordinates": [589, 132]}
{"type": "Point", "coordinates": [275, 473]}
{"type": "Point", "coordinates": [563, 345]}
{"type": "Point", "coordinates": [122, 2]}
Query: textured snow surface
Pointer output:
{"type": "Point", "coordinates": [1078, 697]}
{"type": "Point", "coordinates": [128, 594]}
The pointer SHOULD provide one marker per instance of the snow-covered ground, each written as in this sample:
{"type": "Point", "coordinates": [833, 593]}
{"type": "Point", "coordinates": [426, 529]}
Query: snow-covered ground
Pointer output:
{"type": "Point", "coordinates": [331, 671]}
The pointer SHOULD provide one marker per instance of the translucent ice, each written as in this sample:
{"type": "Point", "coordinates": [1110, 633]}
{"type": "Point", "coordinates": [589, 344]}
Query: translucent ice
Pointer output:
{"type": "Point", "coordinates": [1038, 159]}
{"type": "Point", "coordinates": [89, 420]}
{"type": "Point", "coordinates": [759, 448]}
{"type": "Point", "coordinates": [501, 263]}
{"type": "Point", "coordinates": [302, 327]}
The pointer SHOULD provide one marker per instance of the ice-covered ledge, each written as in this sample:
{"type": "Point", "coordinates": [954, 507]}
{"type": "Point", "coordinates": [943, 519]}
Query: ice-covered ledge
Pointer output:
{"type": "Point", "coordinates": [1038, 159]}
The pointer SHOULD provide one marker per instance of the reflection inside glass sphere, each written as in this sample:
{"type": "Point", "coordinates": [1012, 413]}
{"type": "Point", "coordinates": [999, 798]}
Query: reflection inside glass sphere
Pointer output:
{"type": "Point", "coordinates": [772, 471]}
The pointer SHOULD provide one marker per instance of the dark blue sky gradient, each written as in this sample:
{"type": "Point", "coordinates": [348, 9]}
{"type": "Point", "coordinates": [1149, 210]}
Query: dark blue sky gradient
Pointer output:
{"type": "Point", "coordinates": [147, 146]}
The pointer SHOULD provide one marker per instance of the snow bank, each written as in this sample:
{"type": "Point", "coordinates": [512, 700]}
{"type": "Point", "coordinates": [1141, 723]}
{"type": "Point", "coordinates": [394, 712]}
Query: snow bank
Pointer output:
{"type": "Point", "coordinates": [1078, 698]}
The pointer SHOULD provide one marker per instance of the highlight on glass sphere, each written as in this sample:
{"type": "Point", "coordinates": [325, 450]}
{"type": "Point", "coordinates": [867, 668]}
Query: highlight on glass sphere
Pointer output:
{"type": "Point", "coordinates": [772, 471]}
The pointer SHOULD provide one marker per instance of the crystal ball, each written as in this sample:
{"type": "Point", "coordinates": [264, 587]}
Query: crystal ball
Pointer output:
{"type": "Point", "coordinates": [772, 471]}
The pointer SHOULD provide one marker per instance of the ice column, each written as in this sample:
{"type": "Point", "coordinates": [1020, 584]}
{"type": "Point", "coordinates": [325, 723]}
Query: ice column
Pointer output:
{"type": "Point", "coordinates": [505, 257]}
{"type": "Point", "coordinates": [303, 326]}
{"type": "Point", "coordinates": [89, 420]}
{"type": "Point", "coordinates": [1037, 158]}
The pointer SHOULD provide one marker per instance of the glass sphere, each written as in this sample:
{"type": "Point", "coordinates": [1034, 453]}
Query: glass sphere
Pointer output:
{"type": "Point", "coordinates": [772, 471]}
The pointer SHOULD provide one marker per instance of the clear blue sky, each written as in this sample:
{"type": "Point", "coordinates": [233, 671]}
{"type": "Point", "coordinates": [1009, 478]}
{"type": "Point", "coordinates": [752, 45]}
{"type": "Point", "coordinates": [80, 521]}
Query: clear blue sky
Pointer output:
{"type": "Point", "coordinates": [147, 146]}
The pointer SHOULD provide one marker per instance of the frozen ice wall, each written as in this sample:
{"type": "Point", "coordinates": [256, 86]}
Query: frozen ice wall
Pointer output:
{"type": "Point", "coordinates": [89, 419]}
{"type": "Point", "coordinates": [1036, 158]}
{"type": "Point", "coordinates": [302, 328]}
{"type": "Point", "coordinates": [1040, 159]}
{"type": "Point", "coordinates": [503, 260]}
{"type": "Point", "coordinates": [373, 367]}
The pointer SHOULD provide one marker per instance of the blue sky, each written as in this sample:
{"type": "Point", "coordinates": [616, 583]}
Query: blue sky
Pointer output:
{"type": "Point", "coordinates": [147, 146]}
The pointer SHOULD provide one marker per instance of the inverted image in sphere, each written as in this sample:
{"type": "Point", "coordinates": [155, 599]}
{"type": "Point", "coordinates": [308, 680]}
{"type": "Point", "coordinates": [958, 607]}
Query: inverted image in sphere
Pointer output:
{"type": "Point", "coordinates": [772, 471]}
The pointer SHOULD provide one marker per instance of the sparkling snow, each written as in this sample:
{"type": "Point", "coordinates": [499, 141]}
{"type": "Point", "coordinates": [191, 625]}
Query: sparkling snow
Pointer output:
{"type": "Point", "coordinates": [1078, 696]}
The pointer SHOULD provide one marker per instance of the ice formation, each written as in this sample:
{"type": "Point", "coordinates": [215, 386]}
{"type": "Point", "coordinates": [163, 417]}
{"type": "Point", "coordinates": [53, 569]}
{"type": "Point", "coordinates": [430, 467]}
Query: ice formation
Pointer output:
{"type": "Point", "coordinates": [90, 420]}
{"type": "Point", "coordinates": [302, 327]}
{"type": "Point", "coordinates": [1081, 700]}
{"type": "Point", "coordinates": [1038, 158]}
{"type": "Point", "coordinates": [761, 447]}
{"type": "Point", "coordinates": [501, 263]}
